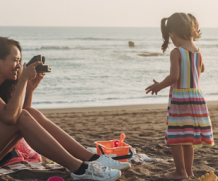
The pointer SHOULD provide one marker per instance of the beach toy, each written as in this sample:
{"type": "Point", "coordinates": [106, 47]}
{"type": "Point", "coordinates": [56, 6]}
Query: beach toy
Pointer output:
{"type": "Point", "coordinates": [55, 179]}
{"type": "Point", "coordinates": [122, 138]}
{"type": "Point", "coordinates": [116, 143]}
{"type": "Point", "coordinates": [208, 177]}
{"type": "Point", "coordinates": [115, 147]}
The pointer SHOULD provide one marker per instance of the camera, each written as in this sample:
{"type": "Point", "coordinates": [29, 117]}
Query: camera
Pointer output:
{"type": "Point", "coordinates": [39, 68]}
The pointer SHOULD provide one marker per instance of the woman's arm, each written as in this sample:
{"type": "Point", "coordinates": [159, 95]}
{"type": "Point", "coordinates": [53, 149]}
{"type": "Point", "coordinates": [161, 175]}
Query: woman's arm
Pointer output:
{"type": "Point", "coordinates": [170, 79]}
{"type": "Point", "coordinates": [31, 86]}
{"type": "Point", "coordinates": [28, 98]}
{"type": "Point", "coordinates": [10, 112]}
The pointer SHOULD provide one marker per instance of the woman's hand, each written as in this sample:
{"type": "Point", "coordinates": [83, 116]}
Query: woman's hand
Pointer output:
{"type": "Point", "coordinates": [154, 88]}
{"type": "Point", "coordinates": [29, 72]}
{"type": "Point", "coordinates": [32, 84]}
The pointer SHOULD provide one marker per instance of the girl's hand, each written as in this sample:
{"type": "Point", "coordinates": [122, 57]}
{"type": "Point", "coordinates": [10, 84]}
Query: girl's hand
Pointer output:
{"type": "Point", "coordinates": [32, 84]}
{"type": "Point", "coordinates": [29, 72]}
{"type": "Point", "coordinates": [155, 88]}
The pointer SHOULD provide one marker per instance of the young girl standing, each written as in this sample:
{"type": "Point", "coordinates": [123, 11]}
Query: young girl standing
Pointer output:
{"type": "Point", "coordinates": [188, 123]}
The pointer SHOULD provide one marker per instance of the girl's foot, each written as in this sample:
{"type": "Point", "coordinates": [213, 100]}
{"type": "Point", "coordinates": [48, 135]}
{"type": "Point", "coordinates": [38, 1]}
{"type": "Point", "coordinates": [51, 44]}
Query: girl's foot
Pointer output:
{"type": "Point", "coordinates": [190, 174]}
{"type": "Point", "coordinates": [175, 175]}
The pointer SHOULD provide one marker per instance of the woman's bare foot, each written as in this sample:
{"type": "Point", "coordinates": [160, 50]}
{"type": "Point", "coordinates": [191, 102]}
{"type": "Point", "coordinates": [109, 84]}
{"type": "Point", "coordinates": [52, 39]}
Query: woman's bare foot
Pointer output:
{"type": "Point", "coordinates": [175, 175]}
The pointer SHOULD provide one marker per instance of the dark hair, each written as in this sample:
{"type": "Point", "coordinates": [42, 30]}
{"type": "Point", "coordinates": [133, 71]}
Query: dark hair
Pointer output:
{"type": "Point", "coordinates": [8, 86]}
{"type": "Point", "coordinates": [183, 25]}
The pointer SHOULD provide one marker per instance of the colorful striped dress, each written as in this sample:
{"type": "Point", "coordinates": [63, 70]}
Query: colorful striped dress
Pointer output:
{"type": "Point", "coordinates": [188, 120]}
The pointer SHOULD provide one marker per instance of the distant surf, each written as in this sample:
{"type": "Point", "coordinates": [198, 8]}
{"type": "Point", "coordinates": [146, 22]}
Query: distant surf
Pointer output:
{"type": "Point", "coordinates": [96, 66]}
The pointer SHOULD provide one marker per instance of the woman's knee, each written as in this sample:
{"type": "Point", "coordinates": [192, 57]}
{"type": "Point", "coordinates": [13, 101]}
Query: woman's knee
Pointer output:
{"type": "Point", "coordinates": [24, 116]}
{"type": "Point", "coordinates": [30, 110]}
{"type": "Point", "coordinates": [39, 117]}
{"type": "Point", "coordinates": [33, 112]}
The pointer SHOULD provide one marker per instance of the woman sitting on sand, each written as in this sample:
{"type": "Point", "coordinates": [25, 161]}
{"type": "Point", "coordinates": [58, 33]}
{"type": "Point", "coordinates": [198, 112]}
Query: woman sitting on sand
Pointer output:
{"type": "Point", "coordinates": [19, 120]}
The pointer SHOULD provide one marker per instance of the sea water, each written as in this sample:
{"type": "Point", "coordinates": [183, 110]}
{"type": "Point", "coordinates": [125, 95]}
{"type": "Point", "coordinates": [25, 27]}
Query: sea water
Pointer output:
{"type": "Point", "coordinates": [93, 66]}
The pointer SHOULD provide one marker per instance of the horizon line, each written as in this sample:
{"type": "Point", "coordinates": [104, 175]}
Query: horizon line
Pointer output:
{"type": "Point", "coordinates": [95, 26]}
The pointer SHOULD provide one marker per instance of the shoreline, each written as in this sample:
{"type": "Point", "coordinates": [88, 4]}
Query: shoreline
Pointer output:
{"type": "Point", "coordinates": [106, 108]}
{"type": "Point", "coordinates": [115, 108]}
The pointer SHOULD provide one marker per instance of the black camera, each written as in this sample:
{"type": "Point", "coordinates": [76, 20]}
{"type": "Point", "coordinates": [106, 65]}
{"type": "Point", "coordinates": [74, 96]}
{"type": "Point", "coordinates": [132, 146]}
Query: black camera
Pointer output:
{"type": "Point", "coordinates": [40, 68]}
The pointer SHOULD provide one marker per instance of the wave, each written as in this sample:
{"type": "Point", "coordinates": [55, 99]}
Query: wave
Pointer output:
{"type": "Point", "coordinates": [110, 100]}
{"type": "Point", "coordinates": [209, 39]}
{"type": "Point", "coordinates": [99, 39]}
{"type": "Point", "coordinates": [148, 54]}
{"type": "Point", "coordinates": [98, 100]}
{"type": "Point", "coordinates": [208, 45]}
{"type": "Point", "coordinates": [47, 48]}
{"type": "Point", "coordinates": [62, 48]}
{"type": "Point", "coordinates": [212, 94]}
{"type": "Point", "coordinates": [129, 39]}
{"type": "Point", "coordinates": [59, 48]}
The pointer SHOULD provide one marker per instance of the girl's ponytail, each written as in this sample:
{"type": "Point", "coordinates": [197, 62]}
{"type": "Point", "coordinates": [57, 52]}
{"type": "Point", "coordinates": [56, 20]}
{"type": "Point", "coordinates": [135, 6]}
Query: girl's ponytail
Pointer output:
{"type": "Point", "coordinates": [196, 33]}
{"type": "Point", "coordinates": [165, 34]}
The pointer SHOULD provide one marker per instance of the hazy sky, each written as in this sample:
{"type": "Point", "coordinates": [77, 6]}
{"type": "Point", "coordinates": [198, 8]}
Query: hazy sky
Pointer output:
{"type": "Point", "coordinates": [130, 13]}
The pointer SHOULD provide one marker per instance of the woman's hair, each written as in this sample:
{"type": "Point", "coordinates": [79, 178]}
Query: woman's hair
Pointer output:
{"type": "Point", "coordinates": [183, 25]}
{"type": "Point", "coordinates": [8, 86]}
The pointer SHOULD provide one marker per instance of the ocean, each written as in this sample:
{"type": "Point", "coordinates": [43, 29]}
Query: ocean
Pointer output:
{"type": "Point", "coordinates": [94, 66]}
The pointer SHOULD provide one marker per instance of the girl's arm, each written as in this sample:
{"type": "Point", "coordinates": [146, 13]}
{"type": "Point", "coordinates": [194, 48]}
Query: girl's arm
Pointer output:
{"type": "Point", "coordinates": [174, 70]}
{"type": "Point", "coordinates": [170, 79]}
{"type": "Point", "coordinates": [202, 64]}
{"type": "Point", "coordinates": [202, 67]}
{"type": "Point", "coordinates": [10, 112]}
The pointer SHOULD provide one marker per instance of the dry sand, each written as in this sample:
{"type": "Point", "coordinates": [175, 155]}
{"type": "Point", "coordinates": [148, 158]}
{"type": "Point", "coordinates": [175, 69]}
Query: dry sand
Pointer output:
{"type": "Point", "coordinates": [144, 126]}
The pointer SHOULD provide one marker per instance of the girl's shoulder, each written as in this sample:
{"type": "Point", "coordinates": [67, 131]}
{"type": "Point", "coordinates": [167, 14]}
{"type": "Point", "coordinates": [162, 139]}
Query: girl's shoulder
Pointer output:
{"type": "Point", "coordinates": [175, 54]}
{"type": "Point", "coordinates": [184, 52]}
{"type": "Point", "coordinates": [186, 49]}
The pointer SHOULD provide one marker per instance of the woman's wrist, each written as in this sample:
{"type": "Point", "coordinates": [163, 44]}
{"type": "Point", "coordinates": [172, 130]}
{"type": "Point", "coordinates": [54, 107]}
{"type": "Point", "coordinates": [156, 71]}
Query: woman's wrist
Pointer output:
{"type": "Point", "coordinates": [29, 88]}
{"type": "Point", "coordinates": [23, 78]}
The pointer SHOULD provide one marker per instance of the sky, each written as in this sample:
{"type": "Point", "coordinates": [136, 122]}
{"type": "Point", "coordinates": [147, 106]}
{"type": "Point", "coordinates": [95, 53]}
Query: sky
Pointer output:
{"type": "Point", "coordinates": [101, 13]}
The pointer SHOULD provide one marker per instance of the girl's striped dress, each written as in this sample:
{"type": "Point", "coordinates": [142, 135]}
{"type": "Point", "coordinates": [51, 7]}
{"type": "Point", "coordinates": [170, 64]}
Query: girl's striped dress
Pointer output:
{"type": "Point", "coordinates": [188, 120]}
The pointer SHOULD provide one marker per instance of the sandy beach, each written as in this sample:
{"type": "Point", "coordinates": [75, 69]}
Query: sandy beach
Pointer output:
{"type": "Point", "coordinates": [144, 126]}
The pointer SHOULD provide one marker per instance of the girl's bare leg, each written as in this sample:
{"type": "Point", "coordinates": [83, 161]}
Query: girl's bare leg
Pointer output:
{"type": "Point", "coordinates": [70, 144]}
{"type": "Point", "coordinates": [188, 158]}
{"type": "Point", "coordinates": [38, 138]}
{"type": "Point", "coordinates": [178, 156]}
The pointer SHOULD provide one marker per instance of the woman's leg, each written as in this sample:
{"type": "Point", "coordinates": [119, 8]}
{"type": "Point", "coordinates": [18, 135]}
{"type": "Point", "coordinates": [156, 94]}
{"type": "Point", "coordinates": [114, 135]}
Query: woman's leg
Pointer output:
{"type": "Point", "coordinates": [188, 157]}
{"type": "Point", "coordinates": [178, 156]}
{"type": "Point", "coordinates": [11, 136]}
{"type": "Point", "coordinates": [38, 138]}
{"type": "Point", "coordinates": [70, 144]}
{"type": "Point", "coordinates": [11, 145]}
